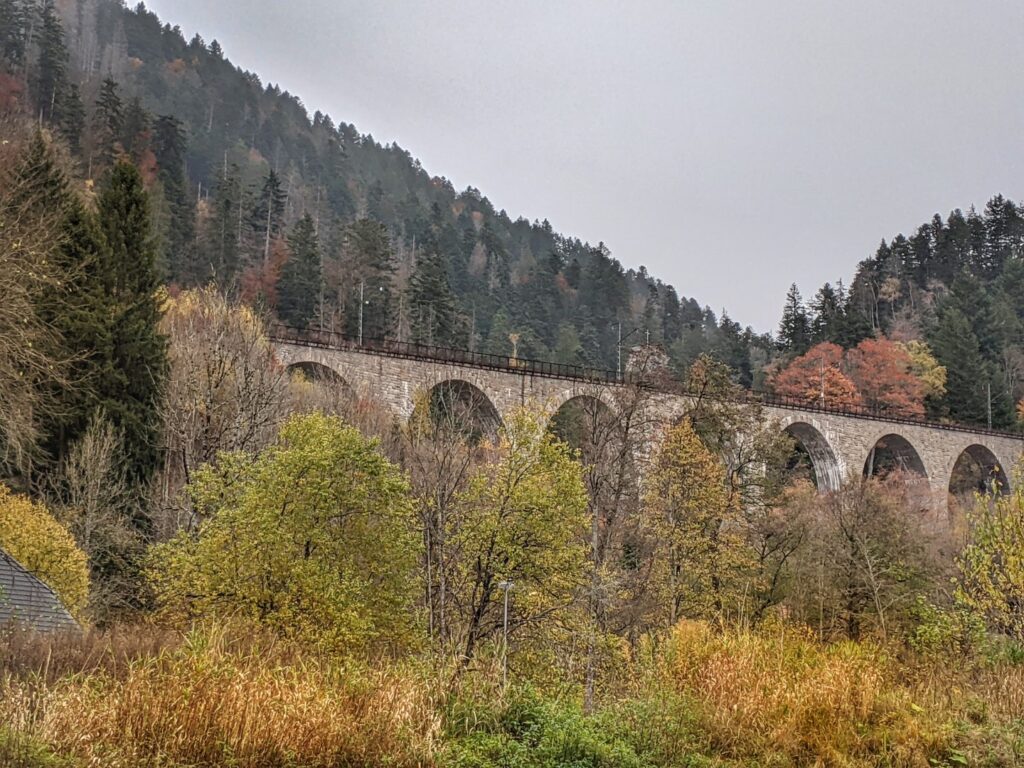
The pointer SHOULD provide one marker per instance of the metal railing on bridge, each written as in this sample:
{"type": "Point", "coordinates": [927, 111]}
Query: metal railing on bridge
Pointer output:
{"type": "Point", "coordinates": [432, 353]}
{"type": "Point", "coordinates": [437, 354]}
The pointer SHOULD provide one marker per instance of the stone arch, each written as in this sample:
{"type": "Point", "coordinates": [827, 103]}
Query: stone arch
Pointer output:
{"type": "Point", "coordinates": [319, 372]}
{"type": "Point", "coordinates": [828, 474]}
{"type": "Point", "coordinates": [977, 469]}
{"type": "Point", "coordinates": [332, 381]}
{"type": "Point", "coordinates": [562, 398]}
{"type": "Point", "coordinates": [464, 407]}
{"type": "Point", "coordinates": [893, 452]}
{"type": "Point", "coordinates": [583, 419]}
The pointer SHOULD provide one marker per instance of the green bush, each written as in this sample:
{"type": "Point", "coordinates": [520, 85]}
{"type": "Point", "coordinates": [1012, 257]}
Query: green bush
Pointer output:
{"type": "Point", "coordinates": [528, 731]}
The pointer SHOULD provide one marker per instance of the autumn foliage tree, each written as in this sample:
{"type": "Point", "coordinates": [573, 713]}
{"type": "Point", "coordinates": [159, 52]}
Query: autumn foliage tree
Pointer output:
{"type": "Point", "coordinates": [686, 507]}
{"type": "Point", "coordinates": [882, 371]}
{"type": "Point", "coordinates": [991, 581]}
{"type": "Point", "coordinates": [314, 539]}
{"type": "Point", "coordinates": [521, 519]}
{"type": "Point", "coordinates": [817, 378]}
{"type": "Point", "coordinates": [33, 537]}
{"type": "Point", "coordinates": [877, 373]}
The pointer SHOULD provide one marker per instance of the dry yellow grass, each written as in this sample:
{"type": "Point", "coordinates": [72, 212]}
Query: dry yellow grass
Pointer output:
{"type": "Point", "coordinates": [785, 695]}
{"type": "Point", "coordinates": [208, 703]}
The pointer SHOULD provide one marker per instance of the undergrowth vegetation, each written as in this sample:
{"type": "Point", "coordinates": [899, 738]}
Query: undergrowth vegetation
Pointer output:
{"type": "Point", "coordinates": [232, 695]}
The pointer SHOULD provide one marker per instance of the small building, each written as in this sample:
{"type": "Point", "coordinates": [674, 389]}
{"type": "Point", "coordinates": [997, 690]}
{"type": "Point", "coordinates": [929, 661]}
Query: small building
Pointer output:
{"type": "Point", "coordinates": [27, 602]}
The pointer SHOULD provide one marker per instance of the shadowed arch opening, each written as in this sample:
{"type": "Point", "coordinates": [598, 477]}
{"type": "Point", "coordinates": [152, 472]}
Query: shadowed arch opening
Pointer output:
{"type": "Point", "coordinates": [316, 381]}
{"type": "Point", "coordinates": [894, 453]}
{"type": "Point", "coordinates": [458, 405]}
{"type": "Point", "coordinates": [813, 457]}
{"type": "Point", "coordinates": [977, 470]}
{"type": "Point", "coordinates": [586, 423]}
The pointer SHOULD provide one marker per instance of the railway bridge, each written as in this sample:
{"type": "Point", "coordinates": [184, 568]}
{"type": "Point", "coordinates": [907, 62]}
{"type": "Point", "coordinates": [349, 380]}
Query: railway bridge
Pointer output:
{"type": "Point", "coordinates": [839, 443]}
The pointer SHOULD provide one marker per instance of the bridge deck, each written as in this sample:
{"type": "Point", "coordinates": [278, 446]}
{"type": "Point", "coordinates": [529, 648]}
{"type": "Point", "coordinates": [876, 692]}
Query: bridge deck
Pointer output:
{"type": "Point", "coordinates": [527, 367]}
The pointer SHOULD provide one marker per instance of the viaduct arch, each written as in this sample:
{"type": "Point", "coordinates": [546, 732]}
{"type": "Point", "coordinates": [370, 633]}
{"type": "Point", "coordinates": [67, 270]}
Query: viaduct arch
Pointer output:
{"type": "Point", "coordinates": [839, 445]}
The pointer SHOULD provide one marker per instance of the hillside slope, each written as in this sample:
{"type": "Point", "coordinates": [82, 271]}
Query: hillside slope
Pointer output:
{"type": "Point", "coordinates": [235, 164]}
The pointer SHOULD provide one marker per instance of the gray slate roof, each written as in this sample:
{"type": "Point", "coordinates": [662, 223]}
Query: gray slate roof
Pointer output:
{"type": "Point", "coordinates": [27, 601]}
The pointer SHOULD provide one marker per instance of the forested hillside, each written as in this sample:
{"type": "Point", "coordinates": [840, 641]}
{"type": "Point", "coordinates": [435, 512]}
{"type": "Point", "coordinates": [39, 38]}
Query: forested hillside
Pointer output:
{"type": "Point", "coordinates": [956, 285]}
{"type": "Point", "coordinates": [301, 215]}
{"type": "Point", "coordinates": [300, 212]}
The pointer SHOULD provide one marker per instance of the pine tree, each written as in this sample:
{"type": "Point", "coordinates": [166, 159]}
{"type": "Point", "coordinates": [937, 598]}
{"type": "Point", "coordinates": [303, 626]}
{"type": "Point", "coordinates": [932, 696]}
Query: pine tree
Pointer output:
{"type": "Point", "coordinates": [267, 219]}
{"type": "Point", "coordinates": [72, 123]}
{"type": "Point", "coordinates": [76, 306]}
{"type": "Point", "coordinates": [828, 314]}
{"type": "Point", "coordinates": [223, 239]}
{"type": "Point", "coordinates": [432, 312]}
{"type": "Point", "coordinates": [370, 263]}
{"type": "Point", "coordinates": [50, 80]}
{"type": "Point", "coordinates": [498, 342]}
{"type": "Point", "coordinates": [107, 125]}
{"type": "Point", "coordinates": [135, 130]}
{"type": "Point", "coordinates": [299, 287]}
{"type": "Point", "coordinates": [13, 32]}
{"type": "Point", "coordinates": [170, 145]}
{"type": "Point", "coordinates": [957, 348]}
{"type": "Point", "coordinates": [795, 328]}
{"type": "Point", "coordinates": [131, 389]}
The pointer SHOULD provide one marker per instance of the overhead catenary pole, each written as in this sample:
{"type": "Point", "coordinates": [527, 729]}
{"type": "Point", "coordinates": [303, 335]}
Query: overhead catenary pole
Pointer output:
{"type": "Point", "coordinates": [506, 586]}
{"type": "Point", "coordinates": [362, 286]}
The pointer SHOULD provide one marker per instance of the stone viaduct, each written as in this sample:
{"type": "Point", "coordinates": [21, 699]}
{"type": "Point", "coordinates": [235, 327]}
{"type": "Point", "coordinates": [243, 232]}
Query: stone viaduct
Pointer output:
{"type": "Point", "coordinates": [838, 443]}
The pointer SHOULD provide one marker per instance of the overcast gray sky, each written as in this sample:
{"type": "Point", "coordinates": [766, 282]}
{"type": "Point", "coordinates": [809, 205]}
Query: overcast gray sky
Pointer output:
{"type": "Point", "coordinates": [731, 147]}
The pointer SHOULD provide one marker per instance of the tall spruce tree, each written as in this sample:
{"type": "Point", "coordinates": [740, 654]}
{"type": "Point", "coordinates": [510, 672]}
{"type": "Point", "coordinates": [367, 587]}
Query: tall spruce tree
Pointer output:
{"type": "Point", "coordinates": [370, 262]}
{"type": "Point", "coordinates": [50, 76]}
{"type": "Point", "coordinates": [223, 235]}
{"type": "Point", "coordinates": [107, 126]}
{"type": "Point", "coordinates": [77, 306]}
{"type": "Point", "coordinates": [72, 121]}
{"type": "Point", "coordinates": [169, 146]}
{"type": "Point", "coordinates": [795, 328]}
{"type": "Point", "coordinates": [967, 373]}
{"type": "Point", "coordinates": [298, 290]}
{"type": "Point", "coordinates": [433, 317]}
{"type": "Point", "coordinates": [13, 34]}
{"type": "Point", "coordinates": [131, 389]}
{"type": "Point", "coordinates": [267, 220]}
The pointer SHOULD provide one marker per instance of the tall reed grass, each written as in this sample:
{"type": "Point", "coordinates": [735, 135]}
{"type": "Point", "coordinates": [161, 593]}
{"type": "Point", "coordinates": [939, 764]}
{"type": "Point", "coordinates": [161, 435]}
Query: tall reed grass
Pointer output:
{"type": "Point", "coordinates": [218, 699]}
{"type": "Point", "coordinates": [787, 697]}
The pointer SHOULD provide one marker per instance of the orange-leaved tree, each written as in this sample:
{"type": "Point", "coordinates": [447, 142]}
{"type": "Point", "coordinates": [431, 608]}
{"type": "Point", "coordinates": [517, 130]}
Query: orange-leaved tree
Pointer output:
{"type": "Point", "coordinates": [883, 373]}
{"type": "Point", "coordinates": [817, 378]}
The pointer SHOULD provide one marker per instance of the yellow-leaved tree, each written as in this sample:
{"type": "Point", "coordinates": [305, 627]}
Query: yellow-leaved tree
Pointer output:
{"type": "Point", "coordinates": [926, 368]}
{"type": "Point", "coordinates": [521, 521]}
{"type": "Point", "coordinates": [700, 550]}
{"type": "Point", "coordinates": [313, 538]}
{"type": "Point", "coordinates": [33, 537]}
{"type": "Point", "coordinates": [991, 580]}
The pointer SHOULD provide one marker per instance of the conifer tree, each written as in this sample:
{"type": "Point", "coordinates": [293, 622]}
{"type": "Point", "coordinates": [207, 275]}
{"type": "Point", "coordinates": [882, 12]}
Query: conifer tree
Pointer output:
{"type": "Point", "coordinates": [72, 122]}
{"type": "Point", "coordinates": [135, 131]}
{"type": "Point", "coordinates": [267, 219]}
{"type": "Point", "coordinates": [432, 311]}
{"type": "Point", "coordinates": [107, 125]}
{"type": "Point", "coordinates": [76, 305]}
{"type": "Point", "coordinates": [169, 145]}
{"type": "Point", "coordinates": [370, 263]}
{"type": "Point", "coordinates": [795, 328]}
{"type": "Point", "coordinates": [299, 286]}
{"type": "Point", "coordinates": [130, 390]}
{"type": "Point", "coordinates": [50, 80]}
{"type": "Point", "coordinates": [13, 31]}
{"type": "Point", "coordinates": [223, 236]}
{"type": "Point", "coordinates": [957, 348]}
